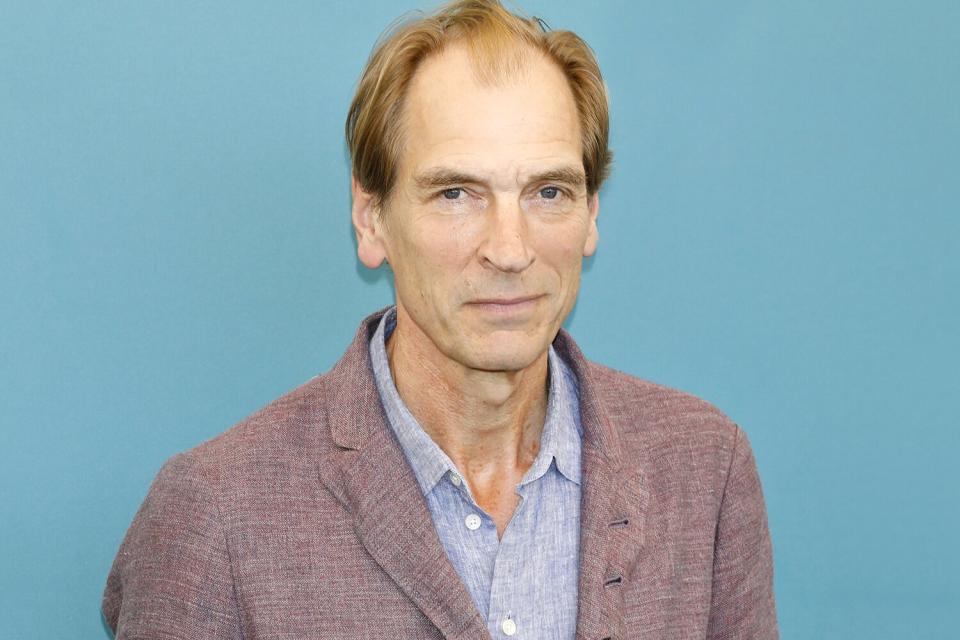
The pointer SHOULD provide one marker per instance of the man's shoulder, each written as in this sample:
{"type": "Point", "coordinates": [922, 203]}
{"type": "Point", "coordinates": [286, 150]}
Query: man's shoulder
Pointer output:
{"type": "Point", "coordinates": [287, 438]}
{"type": "Point", "coordinates": [652, 418]}
{"type": "Point", "coordinates": [283, 438]}
{"type": "Point", "coordinates": [626, 392]}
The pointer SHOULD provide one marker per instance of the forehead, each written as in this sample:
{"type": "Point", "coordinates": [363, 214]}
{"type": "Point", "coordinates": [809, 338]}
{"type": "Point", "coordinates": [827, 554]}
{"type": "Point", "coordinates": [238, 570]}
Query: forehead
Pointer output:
{"type": "Point", "coordinates": [523, 120]}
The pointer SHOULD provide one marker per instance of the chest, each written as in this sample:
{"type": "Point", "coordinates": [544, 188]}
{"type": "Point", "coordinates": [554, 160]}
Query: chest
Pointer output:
{"type": "Point", "coordinates": [523, 577]}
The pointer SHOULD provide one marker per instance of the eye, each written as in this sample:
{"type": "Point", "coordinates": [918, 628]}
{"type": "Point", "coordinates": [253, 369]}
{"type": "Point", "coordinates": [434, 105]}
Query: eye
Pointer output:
{"type": "Point", "coordinates": [452, 194]}
{"type": "Point", "coordinates": [549, 193]}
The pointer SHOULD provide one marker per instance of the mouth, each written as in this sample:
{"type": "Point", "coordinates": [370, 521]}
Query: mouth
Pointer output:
{"type": "Point", "coordinates": [506, 305]}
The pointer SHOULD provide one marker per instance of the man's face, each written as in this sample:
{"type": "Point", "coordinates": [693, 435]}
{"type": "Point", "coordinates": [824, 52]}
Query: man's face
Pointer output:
{"type": "Point", "coordinates": [489, 218]}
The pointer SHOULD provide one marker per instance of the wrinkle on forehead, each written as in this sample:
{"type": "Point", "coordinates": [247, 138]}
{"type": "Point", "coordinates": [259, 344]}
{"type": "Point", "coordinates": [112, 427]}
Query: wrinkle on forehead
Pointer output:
{"type": "Point", "coordinates": [502, 167]}
{"type": "Point", "coordinates": [547, 169]}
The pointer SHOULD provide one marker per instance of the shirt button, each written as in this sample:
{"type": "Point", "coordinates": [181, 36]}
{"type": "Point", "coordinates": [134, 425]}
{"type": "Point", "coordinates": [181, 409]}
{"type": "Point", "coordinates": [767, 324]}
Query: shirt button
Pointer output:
{"type": "Point", "coordinates": [509, 627]}
{"type": "Point", "coordinates": [472, 521]}
{"type": "Point", "coordinates": [455, 479]}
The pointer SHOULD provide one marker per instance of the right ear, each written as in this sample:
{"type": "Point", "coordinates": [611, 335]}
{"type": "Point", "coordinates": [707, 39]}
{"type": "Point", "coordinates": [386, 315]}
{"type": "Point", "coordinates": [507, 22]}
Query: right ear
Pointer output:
{"type": "Point", "coordinates": [365, 212]}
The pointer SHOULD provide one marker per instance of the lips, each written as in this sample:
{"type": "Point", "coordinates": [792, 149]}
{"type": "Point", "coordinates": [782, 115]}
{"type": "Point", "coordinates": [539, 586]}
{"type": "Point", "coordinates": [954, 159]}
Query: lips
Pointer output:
{"type": "Point", "coordinates": [506, 309]}
{"type": "Point", "coordinates": [505, 302]}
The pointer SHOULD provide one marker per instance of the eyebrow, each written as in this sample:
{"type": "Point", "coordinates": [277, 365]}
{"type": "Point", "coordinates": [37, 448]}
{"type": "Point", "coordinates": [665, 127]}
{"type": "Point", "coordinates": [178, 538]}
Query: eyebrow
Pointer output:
{"type": "Point", "coordinates": [439, 178]}
{"type": "Point", "coordinates": [566, 175]}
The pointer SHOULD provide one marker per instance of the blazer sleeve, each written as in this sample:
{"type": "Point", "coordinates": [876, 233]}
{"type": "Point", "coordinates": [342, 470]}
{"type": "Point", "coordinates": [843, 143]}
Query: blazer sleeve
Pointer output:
{"type": "Point", "coordinates": [171, 577]}
{"type": "Point", "coordinates": [742, 604]}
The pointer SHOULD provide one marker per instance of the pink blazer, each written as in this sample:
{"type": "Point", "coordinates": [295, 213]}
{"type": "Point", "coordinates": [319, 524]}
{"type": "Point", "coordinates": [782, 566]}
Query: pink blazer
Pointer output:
{"type": "Point", "coordinates": [305, 521]}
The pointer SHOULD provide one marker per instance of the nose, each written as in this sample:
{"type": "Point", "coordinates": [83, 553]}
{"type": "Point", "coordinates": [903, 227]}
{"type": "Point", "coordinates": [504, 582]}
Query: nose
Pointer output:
{"type": "Point", "coordinates": [506, 244]}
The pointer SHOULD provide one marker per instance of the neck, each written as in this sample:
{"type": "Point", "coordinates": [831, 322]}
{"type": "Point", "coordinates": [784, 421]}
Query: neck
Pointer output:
{"type": "Point", "coordinates": [488, 422]}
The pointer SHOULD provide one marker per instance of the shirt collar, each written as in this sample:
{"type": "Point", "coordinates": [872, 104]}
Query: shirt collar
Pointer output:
{"type": "Point", "coordinates": [559, 441]}
{"type": "Point", "coordinates": [561, 436]}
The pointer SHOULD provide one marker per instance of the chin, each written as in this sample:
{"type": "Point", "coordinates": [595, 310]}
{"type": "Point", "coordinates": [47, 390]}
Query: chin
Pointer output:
{"type": "Point", "coordinates": [506, 354]}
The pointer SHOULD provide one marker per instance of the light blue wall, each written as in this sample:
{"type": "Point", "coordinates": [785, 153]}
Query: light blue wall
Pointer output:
{"type": "Point", "coordinates": [779, 236]}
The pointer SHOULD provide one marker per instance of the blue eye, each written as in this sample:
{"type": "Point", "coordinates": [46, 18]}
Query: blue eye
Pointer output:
{"type": "Point", "coordinates": [452, 194]}
{"type": "Point", "coordinates": [549, 193]}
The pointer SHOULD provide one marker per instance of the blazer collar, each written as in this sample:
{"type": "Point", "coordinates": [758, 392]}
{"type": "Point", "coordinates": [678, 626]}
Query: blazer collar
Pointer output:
{"type": "Point", "coordinates": [353, 404]}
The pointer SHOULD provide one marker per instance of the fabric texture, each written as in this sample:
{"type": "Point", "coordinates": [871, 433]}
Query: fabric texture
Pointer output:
{"type": "Point", "coordinates": [529, 576]}
{"type": "Point", "coordinates": [305, 521]}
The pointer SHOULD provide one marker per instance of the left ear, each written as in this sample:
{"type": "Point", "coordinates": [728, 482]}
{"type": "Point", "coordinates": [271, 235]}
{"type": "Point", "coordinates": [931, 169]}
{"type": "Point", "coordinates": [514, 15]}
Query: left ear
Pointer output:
{"type": "Point", "coordinates": [593, 235]}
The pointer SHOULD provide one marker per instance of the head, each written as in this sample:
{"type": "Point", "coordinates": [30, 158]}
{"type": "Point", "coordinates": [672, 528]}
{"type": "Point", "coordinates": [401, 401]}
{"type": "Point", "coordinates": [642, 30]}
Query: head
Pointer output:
{"type": "Point", "coordinates": [478, 142]}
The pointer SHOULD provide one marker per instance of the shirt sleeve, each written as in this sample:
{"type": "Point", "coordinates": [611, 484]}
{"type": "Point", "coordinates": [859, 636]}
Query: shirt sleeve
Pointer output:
{"type": "Point", "coordinates": [742, 604]}
{"type": "Point", "coordinates": [171, 577]}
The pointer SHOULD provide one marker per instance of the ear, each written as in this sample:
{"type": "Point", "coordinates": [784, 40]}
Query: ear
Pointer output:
{"type": "Point", "coordinates": [365, 214]}
{"type": "Point", "coordinates": [593, 235]}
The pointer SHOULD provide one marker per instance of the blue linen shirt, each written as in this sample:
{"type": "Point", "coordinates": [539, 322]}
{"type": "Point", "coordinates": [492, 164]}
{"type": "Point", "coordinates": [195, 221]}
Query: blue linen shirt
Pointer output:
{"type": "Point", "coordinates": [524, 584]}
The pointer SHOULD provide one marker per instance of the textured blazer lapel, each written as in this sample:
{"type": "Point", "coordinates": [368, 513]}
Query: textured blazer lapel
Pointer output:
{"type": "Point", "coordinates": [612, 525]}
{"type": "Point", "coordinates": [371, 476]}
{"type": "Point", "coordinates": [596, 514]}
{"type": "Point", "coordinates": [394, 524]}
{"type": "Point", "coordinates": [613, 507]}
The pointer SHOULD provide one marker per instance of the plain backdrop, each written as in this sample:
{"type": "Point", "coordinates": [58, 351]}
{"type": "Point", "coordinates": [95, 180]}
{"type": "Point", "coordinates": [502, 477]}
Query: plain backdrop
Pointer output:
{"type": "Point", "coordinates": [779, 236]}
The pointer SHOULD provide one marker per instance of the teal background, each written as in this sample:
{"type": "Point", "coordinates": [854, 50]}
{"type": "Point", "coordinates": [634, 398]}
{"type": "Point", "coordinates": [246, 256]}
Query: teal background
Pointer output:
{"type": "Point", "coordinates": [779, 236]}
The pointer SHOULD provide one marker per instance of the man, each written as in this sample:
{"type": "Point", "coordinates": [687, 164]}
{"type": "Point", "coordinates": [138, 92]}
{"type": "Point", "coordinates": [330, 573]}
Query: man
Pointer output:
{"type": "Point", "coordinates": [463, 471]}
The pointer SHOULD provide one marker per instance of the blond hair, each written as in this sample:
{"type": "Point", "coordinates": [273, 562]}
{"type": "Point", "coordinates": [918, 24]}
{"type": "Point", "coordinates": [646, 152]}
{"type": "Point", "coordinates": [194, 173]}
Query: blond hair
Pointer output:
{"type": "Point", "coordinates": [497, 41]}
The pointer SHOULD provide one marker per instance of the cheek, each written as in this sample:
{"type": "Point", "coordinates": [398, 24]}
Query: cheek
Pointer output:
{"type": "Point", "coordinates": [434, 256]}
{"type": "Point", "coordinates": [562, 249]}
